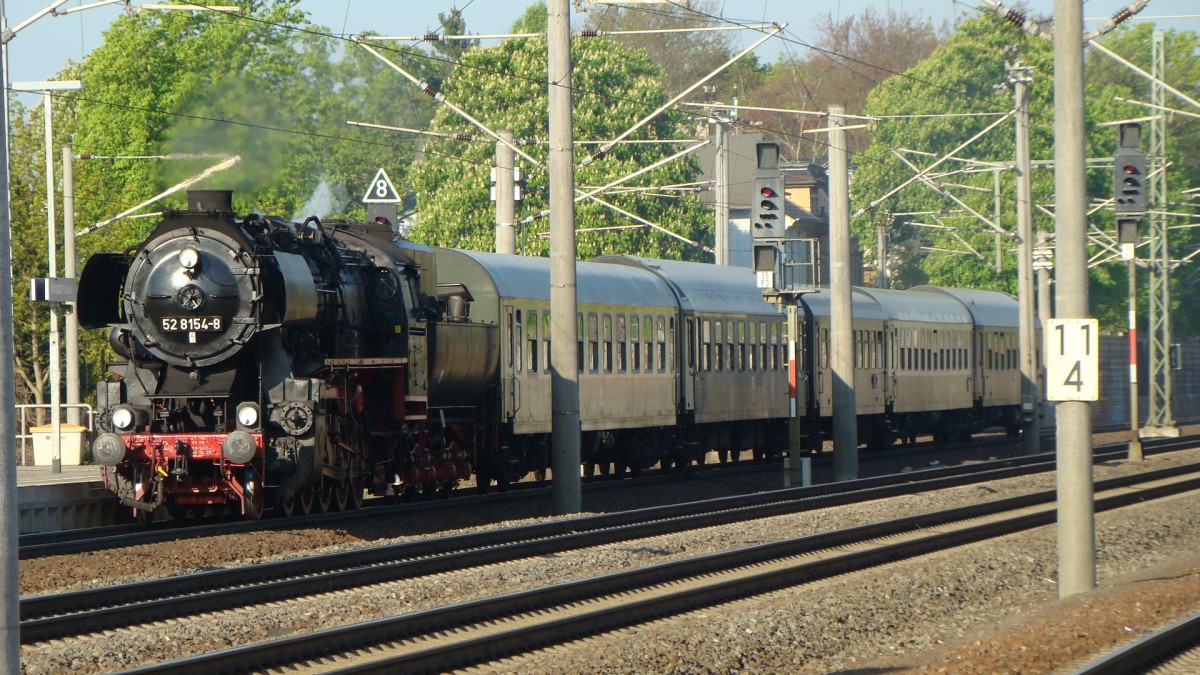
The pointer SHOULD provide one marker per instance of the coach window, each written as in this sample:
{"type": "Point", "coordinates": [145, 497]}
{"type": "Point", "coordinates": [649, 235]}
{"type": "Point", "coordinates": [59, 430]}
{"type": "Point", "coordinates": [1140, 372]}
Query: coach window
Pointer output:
{"type": "Point", "coordinates": [726, 345]}
{"type": "Point", "coordinates": [545, 342]}
{"type": "Point", "coordinates": [622, 346]}
{"type": "Point", "coordinates": [761, 345]}
{"type": "Point", "coordinates": [705, 345]}
{"type": "Point", "coordinates": [582, 336]}
{"type": "Point", "coordinates": [670, 344]}
{"type": "Point", "coordinates": [731, 345]}
{"type": "Point", "coordinates": [718, 346]}
{"type": "Point", "coordinates": [663, 344]}
{"type": "Point", "coordinates": [751, 346]}
{"type": "Point", "coordinates": [661, 335]}
{"type": "Point", "coordinates": [635, 349]}
{"type": "Point", "coordinates": [648, 340]}
{"type": "Point", "coordinates": [741, 348]}
{"type": "Point", "coordinates": [531, 341]}
{"type": "Point", "coordinates": [606, 337]}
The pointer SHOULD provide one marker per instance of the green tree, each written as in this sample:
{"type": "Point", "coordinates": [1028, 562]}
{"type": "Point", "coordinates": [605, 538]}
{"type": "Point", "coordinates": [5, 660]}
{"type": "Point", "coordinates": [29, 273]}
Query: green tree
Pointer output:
{"type": "Point", "coordinates": [27, 189]}
{"type": "Point", "coordinates": [214, 85]}
{"type": "Point", "coordinates": [961, 77]}
{"type": "Point", "coordinates": [1182, 134]}
{"type": "Point", "coordinates": [505, 88]}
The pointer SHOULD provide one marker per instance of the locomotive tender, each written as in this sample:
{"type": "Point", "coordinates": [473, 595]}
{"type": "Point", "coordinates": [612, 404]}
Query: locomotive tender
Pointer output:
{"type": "Point", "coordinates": [264, 363]}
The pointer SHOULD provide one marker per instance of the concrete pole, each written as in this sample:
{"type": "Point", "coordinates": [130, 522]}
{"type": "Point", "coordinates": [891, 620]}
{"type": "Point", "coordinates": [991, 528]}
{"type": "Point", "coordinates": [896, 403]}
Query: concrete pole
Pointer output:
{"type": "Point", "coordinates": [1031, 430]}
{"type": "Point", "coordinates": [1045, 299]}
{"type": "Point", "coordinates": [506, 205]}
{"type": "Point", "coordinates": [564, 334]}
{"type": "Point", "coordinates": [52, 256]}
{"type": "Point", "coordinates": [10, 645]}
{"type": "Point", "coordinates": [1135, 442]}
{"type": "Point", "coordinates": [722, 192]}
{"type": "Point", "coordinates": [996, 219]}
{"type": "Point", "coordinates": [841, 332]}
{"type": "Point", "coordinates": [71, 320]}
{"type": "Point", "coordinates": [1045, 311]}
{"type": "Point", "coordinates": [1076, 510]}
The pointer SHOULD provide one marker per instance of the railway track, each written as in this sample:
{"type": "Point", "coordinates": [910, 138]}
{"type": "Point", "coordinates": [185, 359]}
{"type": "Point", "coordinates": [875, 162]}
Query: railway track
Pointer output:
{"type": "Point", "coordinates": [74, 613]}
{"type": "Point", "coordinates": [1174, 649]}
{"type": "Point", "coordinates": [118, 536]}
{"type": "Point", "coordinates": [481, 630]}
{"type": "Point", "coordinates": [52, 616]}
{"type": "Point", "coordinates": [93, 539]}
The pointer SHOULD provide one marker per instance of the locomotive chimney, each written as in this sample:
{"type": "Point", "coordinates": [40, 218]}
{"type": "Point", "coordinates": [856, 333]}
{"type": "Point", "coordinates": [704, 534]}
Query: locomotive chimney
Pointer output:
{"type": "Point", "coordinates": [210, 200]}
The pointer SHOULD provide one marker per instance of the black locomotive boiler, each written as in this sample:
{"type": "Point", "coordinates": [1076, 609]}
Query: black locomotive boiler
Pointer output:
{"type": "Point", "coordinates": [263, 363]}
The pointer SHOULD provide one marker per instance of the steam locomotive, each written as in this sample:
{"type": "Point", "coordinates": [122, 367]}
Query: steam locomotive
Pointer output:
{"type": "Point", "coordinates": [264, 364]}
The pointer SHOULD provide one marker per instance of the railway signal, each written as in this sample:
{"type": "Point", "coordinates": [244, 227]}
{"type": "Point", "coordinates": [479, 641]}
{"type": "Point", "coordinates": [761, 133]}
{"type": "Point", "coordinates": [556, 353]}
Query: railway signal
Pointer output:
{"type": "Point", "coordinates": [767, 219]}
{"type": "Point", "coordinates": [1129, 181]}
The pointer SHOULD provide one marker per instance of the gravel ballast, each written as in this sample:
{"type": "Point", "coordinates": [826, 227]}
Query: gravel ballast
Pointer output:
{"type": "Point", "coordinates": [976, 609]}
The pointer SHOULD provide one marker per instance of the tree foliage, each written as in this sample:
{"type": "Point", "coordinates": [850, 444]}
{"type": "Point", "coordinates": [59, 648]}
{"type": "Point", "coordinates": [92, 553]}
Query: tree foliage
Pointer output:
{"type": "Point", "coordinates": [964, 76]}
{"type": "Point", "coordinates": [505, 88]}
{"type": "Point", "coordinates": [200, 87]}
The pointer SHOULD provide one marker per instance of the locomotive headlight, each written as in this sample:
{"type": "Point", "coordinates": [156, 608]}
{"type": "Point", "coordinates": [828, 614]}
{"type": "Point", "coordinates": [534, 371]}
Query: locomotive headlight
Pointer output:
{"type": "Point", "coordinates": [108, 449]}
{"type": "Point", "coordinates": [247, 415]}
{"type": "Point", "coordinates": [122, 418]}
{"type": "Point", "coordinates": [189, 258]}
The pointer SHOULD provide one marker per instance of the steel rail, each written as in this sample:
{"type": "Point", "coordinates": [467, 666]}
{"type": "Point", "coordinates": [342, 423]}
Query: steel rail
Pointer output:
{"type": "Point", "coordinates": [1154, 650]}
{"type": "Point", "coordinates": [78, 612]}
{"type": "Point", "coordinates": [38, 545]}
{"type": "Point", "coordinates": [913, 531]}
{"type": "Point", "coordinates": [51, 616]}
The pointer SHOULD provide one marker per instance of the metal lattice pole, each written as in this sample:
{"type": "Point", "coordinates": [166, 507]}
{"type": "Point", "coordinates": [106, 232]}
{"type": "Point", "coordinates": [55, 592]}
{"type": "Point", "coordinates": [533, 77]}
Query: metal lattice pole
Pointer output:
{"type": "Point", "coordinates": [1159, 421]}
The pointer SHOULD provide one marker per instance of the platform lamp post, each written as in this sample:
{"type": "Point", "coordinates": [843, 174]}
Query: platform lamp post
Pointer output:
{"type": "Point", "coordinates": [47, 88]}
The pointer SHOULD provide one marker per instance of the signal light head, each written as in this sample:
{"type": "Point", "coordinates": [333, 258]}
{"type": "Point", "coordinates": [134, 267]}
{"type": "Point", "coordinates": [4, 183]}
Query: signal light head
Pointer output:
{"type": "Point", "coordinates": [768, 192]}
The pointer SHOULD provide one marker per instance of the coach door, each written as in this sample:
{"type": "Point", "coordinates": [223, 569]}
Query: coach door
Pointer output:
{"type": "Point", "coordinates": [982, 375]}
{"type": "Point", "coordinates": [511, 368]}
{"type": "Point", "coordinates": [691, 349]}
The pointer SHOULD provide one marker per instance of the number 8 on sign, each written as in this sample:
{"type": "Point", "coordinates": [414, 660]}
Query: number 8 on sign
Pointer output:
{"type": "Point", "coordinates": [1072, 360]}
{"type": "Point", "coordinates": [381, 191]}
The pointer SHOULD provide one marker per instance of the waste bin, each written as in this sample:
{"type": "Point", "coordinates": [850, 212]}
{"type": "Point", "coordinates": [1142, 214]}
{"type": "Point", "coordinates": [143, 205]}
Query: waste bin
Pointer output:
{"type": "Point", "coordinates": [70, 447]}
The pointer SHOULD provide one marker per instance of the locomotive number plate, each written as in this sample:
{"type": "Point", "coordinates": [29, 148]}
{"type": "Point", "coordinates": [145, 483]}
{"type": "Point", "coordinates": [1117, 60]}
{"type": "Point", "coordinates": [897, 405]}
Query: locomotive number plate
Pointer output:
{"type": "Point", "coordinates": [188, 324]}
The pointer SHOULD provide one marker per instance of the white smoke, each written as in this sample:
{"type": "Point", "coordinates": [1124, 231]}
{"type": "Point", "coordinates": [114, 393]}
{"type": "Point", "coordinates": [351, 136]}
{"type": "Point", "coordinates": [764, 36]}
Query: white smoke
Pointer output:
{"type": "Point", "coordinates": [319, 204]}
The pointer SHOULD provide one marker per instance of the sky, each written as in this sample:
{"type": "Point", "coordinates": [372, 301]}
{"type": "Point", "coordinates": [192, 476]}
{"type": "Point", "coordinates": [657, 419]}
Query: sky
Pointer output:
{"type": "Point", "coordinates": [39, 51]}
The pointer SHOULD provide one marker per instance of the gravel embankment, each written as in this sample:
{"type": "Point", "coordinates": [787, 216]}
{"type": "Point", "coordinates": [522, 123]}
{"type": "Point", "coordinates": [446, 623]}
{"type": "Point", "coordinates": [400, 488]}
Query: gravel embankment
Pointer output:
{"type": "Point", "coordinates": [961, 612]}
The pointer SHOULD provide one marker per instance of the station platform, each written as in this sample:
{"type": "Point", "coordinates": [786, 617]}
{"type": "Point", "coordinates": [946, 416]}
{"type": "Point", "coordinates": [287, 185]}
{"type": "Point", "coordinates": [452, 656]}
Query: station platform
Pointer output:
{"type": "Point", "coordinates": [72, 499]}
